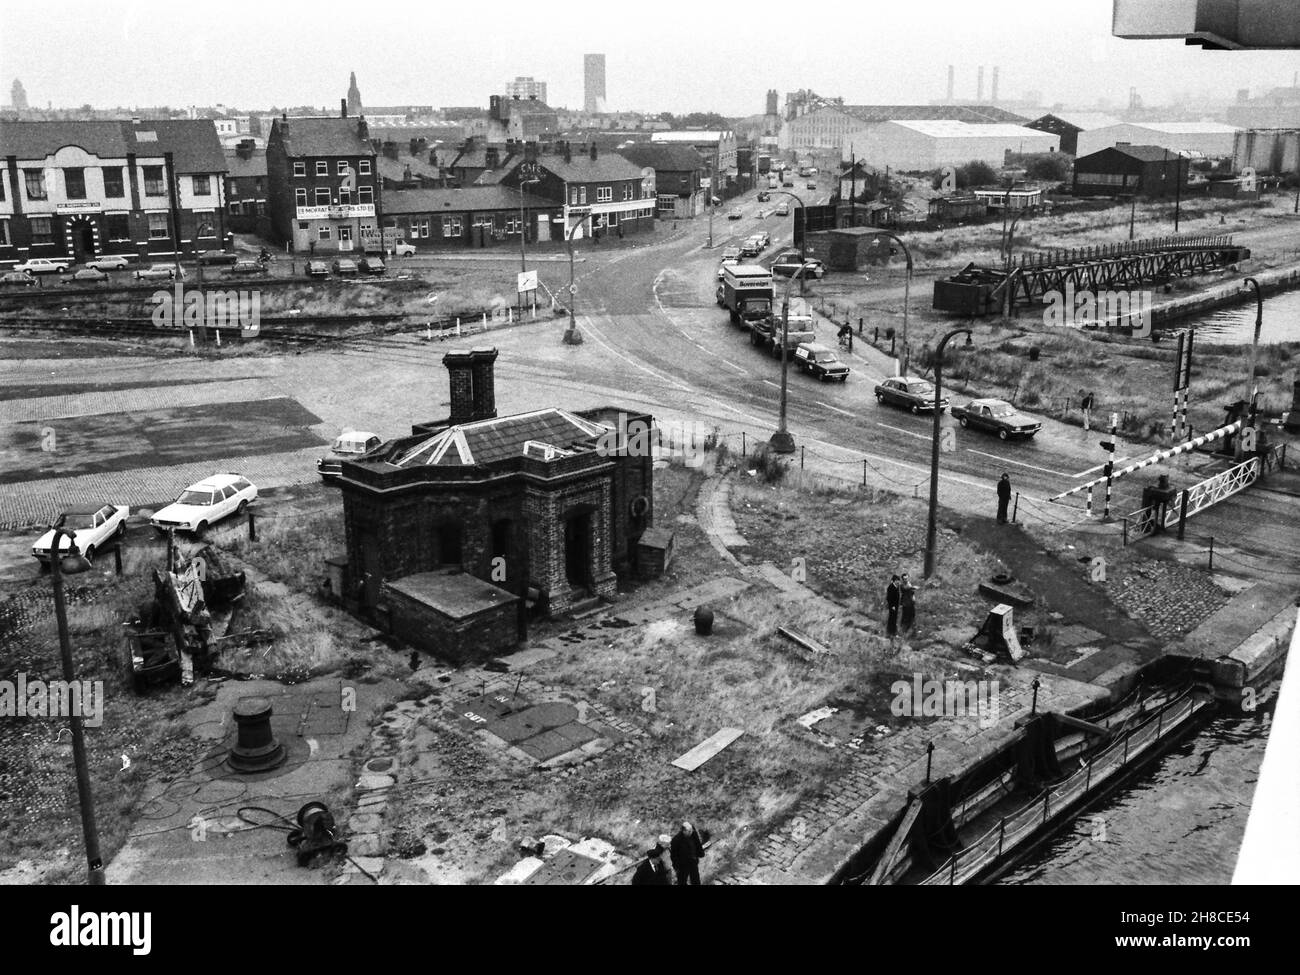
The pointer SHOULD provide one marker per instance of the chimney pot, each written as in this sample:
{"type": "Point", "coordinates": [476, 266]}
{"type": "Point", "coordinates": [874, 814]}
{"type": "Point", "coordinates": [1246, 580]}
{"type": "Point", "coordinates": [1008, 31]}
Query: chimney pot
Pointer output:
{"type": "Point", "coordinates": [343, 108]}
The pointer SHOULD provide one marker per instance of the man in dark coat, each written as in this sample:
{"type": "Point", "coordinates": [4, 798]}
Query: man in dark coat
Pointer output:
{"type": "Point", "coordinates": [907, 597]}
{"type": "Point", "coordinates": [651, 872]}
{"type": "Point", "coordinates": [687, 849]}
{"type": "Point", "coordinates": [1004, 498]}
{"type": "Point", "coordinates": [893, 593]}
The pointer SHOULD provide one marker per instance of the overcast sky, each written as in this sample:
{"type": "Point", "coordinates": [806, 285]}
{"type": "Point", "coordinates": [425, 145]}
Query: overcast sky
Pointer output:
{"type": "Point", "coordinates": [664, 55]}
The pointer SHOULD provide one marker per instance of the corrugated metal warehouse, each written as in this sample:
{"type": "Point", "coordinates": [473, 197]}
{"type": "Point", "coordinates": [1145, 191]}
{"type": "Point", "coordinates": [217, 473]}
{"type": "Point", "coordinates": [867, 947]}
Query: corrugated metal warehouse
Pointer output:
{"type": "Point", "coordinates": [922, 145]}
{"type": "Point", "coordinates": [1213, 139]}
{"type": "Point", "coordinates": [1270, 151]}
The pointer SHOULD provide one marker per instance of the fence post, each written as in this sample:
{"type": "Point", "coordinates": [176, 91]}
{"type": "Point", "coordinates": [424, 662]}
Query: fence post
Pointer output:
{"type": "Point", "coordinates": [864, 473]}
{"type": "Point", "coordinates": [1182, 514]}
{"type": "Point", "coordinates": [742, 443]}
{"type": "Point", "coordinates": [1126, 530]}
{"type": "Point", "coordinates": [1016, 508]}
{"type": "Point", "coordinates": [801, 457]}
{"type": "Point", "coordinates": [1211, 553]}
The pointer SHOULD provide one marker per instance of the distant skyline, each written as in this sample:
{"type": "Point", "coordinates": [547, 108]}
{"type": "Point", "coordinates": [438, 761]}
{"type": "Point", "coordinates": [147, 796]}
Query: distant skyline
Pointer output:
{"type": "Point", "coordinates": [256, 56]}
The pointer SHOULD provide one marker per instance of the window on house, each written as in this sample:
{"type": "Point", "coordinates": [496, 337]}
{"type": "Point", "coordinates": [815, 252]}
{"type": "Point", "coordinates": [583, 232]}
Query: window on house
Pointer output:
{"type": "Point", "coordinates": [300, 168]}
{"type": "Point", "coordinates": [322, 196]}
{"type": "Point", "coordinates": [611, 220]}
{"type": "Point", "coordinates": [323, 233]}
{"type": "Point", "coordinates": [234, 189]}
{"type": "Point", "coordinates": [2, 187]}
{"type": "Point", "coordinates": [365, 194]}
{"type": "Point", "coordinates": [257, 186]}
{"type": "Point", "coordinates": [202, 185]}
{"type": "Point", "coordinates": [604, 194]}
{"type": "Point", "coordinates": [345, 233]}
{"type": "Point", "coordinates": [158, 226]}
{"type": "Point", "coordinates": [118, 226]}
{"type": "Point", "coordinates": [627, 191]}
{"type": "Point", "coordinates": [300, 196]}
{"type": "Point", "coordinates": [345, 195]}
{"type": "Point", "coordinates": [363, 167]}
{"type": "Point", "coordinates": [582, 194]}
{"type": "Point", "coordinates": [573, 196]}
{"type": "Point", "coordinates": [322, 167]}
{"type": "Point", "coordinates": [4, 233]}
{"type": "Point", "coordinates": [261, 208]}
{"type": "Point", "coordinates": [233, 209]}
{"type": "Point", "coordinates": [342, 167]}
{"type": "Point", "coordinates": [74, 183]}
{"type": "Point", "coordinates": [512, 223]}
{"type": "Point", "coordinates": [42, 230]}
{"type": "Point", "coordinates": [206, 226]}
{"type": "Point", "coordinates": [153, 181]}
{"type": "Point", "coordinates": [35, 180]}
{"type": "Point", "coordinates": [451, 227]}
{"type": "Point", "coordinates": [420, 228]}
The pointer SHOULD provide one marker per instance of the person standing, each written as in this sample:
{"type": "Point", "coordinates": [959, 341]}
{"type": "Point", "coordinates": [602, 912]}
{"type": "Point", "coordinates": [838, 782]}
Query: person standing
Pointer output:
{"type": "Point", "coordinates": [686, 851]}
{"type": "Point", "coordinates": [907, 598]}
{"type": "Point", "coordinates": [651, 872]}
{"type": "Point", "coordinates": [1004, 497]}
{"type": "Point", "coordinates": [893, 593]}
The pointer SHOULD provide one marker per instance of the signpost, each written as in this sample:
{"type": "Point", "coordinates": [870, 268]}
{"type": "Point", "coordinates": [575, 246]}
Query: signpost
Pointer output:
{"type": "Point", "coordinates": [527, 282]}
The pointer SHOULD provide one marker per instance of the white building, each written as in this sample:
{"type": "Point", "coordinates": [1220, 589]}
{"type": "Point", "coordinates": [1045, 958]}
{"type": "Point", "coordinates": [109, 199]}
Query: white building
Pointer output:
{"type": "Point", "coordinates": [921, 145]}
{"type": "Point", "coordinates": [1212, 139]}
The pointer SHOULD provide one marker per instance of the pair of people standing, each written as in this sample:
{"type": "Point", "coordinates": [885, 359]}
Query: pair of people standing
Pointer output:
{"type": "Point", "coordinates": [900, 597]}
{"type": "Point", "coordinates": [685, 848]}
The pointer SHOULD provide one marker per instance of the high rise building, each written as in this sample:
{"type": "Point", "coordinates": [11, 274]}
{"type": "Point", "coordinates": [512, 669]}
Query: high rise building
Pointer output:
{"type": "Point", "coordinates": [593, 77]}
{"type": "Point", "coordinates": [18, 96]}
{"type": "Point", "coordinates": [526, 87]}
{"type": "Point", "coordinates": [771, 102]}
{"type": "Point", "coordinates": [354, 96]}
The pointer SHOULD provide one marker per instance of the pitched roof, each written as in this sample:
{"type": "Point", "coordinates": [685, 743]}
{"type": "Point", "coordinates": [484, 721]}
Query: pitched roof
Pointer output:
{"type": "Point", "coordinates": [1143, 153]}
{"type": "Point", "coordinates": [957, 129]}
{"type": "Point", "coordinates": [584, 169]}
{"type": "Point", "coordinates": [962, 113]}
{"type": "Point", "coordinates": [692, 136]}
{"type": "Point", "coordinates": [1083, 121]}
{"type": "Point", "coordinates": [395, 169]}
{"type": "Point", "coordinates": [459, 200]}
{"type": "Point", "coordinates": [321, 136]}
{"type": "Point", "coordinates": [36, 140]}
{"type": "Point", "coordinates": [193, 143]}
{"type": "Point", "coordinates": [254, 165]}
{"type": "Point", "coordinates": [663, 157]}
{"type": "Point", "coordinates": [486, 442]}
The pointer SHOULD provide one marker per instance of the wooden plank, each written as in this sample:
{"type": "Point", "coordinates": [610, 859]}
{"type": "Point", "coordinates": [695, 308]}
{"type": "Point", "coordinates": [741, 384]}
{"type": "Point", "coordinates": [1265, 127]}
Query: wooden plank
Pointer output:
{"type": "Point", "coordinates": [890, 856]}
{"type": "Point", "coordinates": [807, 642]}
{"type": "Point", "coordinates": [706, 749]}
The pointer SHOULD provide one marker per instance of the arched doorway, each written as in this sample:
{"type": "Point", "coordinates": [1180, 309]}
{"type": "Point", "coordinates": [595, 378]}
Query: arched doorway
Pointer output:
{"type": "Point", "coordinates": [81, 236]}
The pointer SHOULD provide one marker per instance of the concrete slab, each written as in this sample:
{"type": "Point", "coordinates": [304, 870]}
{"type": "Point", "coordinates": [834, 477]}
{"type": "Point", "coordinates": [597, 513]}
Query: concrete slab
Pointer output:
{"type": "Point", "coordinates": [568, 868]}
{"type": "Point", "coordinates": [707, 749]}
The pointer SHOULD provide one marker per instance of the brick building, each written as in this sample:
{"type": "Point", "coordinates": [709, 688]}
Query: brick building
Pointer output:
{"type": "Point", "coordinates": [324, 184]}
{"type": "Point", "coordinates": [679, 177]}
{"type": "Point", "coordinates": [85, 189]}
{"type": "Point", "coordinates": [476, 216]}
{"type": "Point", "coordinates": [453, 531]}
{"type": "Point", "coordinates": [246, 190]}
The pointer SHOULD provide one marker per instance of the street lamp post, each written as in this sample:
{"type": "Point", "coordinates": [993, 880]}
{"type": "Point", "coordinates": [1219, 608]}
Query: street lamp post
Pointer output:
{"type": "Point", "coordinates": [931, 529]}
{"type": "Point", "coordinates": [1251, 390]}
{"type": "Point", "coordinates": [907, 293]}
{"type": "Point", "coordinates": [94, 863]}
{"type": "Point", "coordinates": [803, 238]}
{"type": "Point", "coordinates": [523, 237]}
{"type": "Point", "coordinates": [572, 336]}
{"type": "Point", "coordinates": [782, 441]}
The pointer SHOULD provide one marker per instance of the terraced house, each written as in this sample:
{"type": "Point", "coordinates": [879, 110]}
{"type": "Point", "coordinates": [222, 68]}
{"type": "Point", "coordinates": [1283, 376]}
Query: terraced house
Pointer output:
{"type": "Point", "coordinates": [323, 184]}
{"type": "Point", "coordinates": [80, 190]}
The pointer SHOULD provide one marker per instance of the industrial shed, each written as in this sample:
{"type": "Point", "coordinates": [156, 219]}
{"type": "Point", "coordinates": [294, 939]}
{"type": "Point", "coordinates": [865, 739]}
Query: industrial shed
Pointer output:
{"type": "Point", "coordinates": [1130, 171]}
{"type": "Point", "coordinates": [922, 145]}
{"type": "Point", "coordinates": [1212, 139]}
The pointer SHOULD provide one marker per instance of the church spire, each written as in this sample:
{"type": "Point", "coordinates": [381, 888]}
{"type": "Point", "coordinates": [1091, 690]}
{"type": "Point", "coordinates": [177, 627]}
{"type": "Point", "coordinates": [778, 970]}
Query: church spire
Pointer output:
{"type": "Point", "coordinates": [354, 95]}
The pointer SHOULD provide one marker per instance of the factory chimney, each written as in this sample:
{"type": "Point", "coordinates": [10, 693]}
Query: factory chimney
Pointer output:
{"type": "Point", "coordinates": [979, 85]}
{"type": "Point", "coordinates": [993, 95]}
{"type": "Point", "coordinates": [952, 81]}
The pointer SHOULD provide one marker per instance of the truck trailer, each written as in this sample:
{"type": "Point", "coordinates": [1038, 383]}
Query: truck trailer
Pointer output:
{"type": "Point", "coordinates": [747, 293]}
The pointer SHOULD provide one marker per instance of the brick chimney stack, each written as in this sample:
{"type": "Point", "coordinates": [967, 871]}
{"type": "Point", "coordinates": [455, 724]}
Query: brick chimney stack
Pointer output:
{"type": "Point", "coordinates": [473, 385]}
{"type": "Point", "coordinates": [593, 150]}
{"type": "Point", "coordinates": [343, 108]}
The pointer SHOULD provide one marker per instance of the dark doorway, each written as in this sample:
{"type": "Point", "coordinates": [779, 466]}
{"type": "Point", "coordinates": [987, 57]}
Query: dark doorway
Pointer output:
{"type": "Point", "coordinates": [448, 541]}
{"type": "Point", "coordinates": [372, 575]}
{"type": "Point", "coordinates": [577, 550]}
{"type": "Point", "coordinates": [83, 241]}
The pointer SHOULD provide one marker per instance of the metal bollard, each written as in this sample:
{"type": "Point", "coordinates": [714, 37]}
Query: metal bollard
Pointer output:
{"type": "Point", "coordinates": [252, 527]}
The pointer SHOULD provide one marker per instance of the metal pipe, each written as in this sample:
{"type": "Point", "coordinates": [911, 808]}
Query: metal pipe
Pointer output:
{"type": "Point", "coordinates": [907, 287]}
{"type": "Point", "coordinates": [781, 441]}
{"type": "Point", "coordinates": [572, 336]}
{"type": "Point", "coordinates": [931, 531]}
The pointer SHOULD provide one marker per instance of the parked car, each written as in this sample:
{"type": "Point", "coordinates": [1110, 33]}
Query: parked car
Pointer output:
{"type": "Point", "coordinates": [16, 279]}
{"type": "Point", "coordinates": [247, 267]}
{"type": "Point", "coordinates": [44, 265]}
{"type": "Point", "coordinates": [789, 183]}
{"type": "Point", "coordinates": [726, 263]}
{"type": "Point", "coordinates": [371, 265]}
{"type": "Point", "coordinates": [110, 262]}
{"type": "Point", "coordinates": [350, 445]}
{"type": "Point", "coordinates": [750, 248]}
{"type": "Point", "coordinates": [92, 527]}
{"type": "Point", "coordinates": [811, 185]}
{"type": "Point", "coordinates": [764, 240]}
{"type": "Point", "coordinates": [730, 253]}
{"type": "Point", "coordinates": [159, 272]}
{"type": "Point", "coordinates": [206, 503]}
{"type": "Point", "coordinates": [318, 269]}
{"type": "Point", "coordinates": [733, 215]}
{"type": "Point", "coordinates": [787, 265]}
{"type": "Point", "coordinates": [909, 392]}
{"type": "Point", "coordinates": [820, 361]}
{"type": "Point", "coordinates": [404, 249]}
{"type": "Point", "coordinates": [996, 416]}
{"type": "Point", "coordinates": [218, 257]}
{"type": "Point", "coordinates": [782, 208]}
{"type": "Point", "coordinates": [87, 274]}
{"type": "Point", "coordinates": [764, 196]}
{"type": "Point", "coordinates": [345, 266]}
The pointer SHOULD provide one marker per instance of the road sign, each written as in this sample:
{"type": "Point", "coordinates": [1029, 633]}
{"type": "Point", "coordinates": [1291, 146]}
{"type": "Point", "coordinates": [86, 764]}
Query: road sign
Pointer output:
{"type": "Point", "coordinates": [527, 281]}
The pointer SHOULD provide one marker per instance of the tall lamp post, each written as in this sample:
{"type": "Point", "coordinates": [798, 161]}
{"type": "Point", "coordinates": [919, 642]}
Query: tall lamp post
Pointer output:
{"type": "Point", "coordinates": [782, 441]}
{"type": "Point", "coordinates": [572, 336]}
{"type": "Point", "coordinates": [1254, 352]}
{"type": "Point", "coordinates": [931, 528]}
{"type": "Point", "coordinates": [803, 237]}
{"type": "Point", "coordinates": [907, 293]}
{"type": "Point", "coordinates": [523, 236]}
{"type": "Point", "coordinates": [77, 563]}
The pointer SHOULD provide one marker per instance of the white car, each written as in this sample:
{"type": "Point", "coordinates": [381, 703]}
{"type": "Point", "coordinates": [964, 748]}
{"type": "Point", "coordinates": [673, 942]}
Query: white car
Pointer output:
{"type": "Point", "coordinates": [113, 262]}
{"type": "Point", "coordinates": [91, 528]}
{"type": "Point", "coordinates": [159, 272]}
{"type": "Point", "coordinates": [43, 265]}
{"type": "Point", "coordinates": [403, 249]}
{"type": "Point", "coordinates": [206, 503]}
{"type": "Point", "coordinates": [350, 445]}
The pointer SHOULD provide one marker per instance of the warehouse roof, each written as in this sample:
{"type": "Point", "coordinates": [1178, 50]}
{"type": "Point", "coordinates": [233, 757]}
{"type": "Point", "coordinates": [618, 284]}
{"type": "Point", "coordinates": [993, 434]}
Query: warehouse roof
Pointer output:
{"type": "Point", "coordinates": [955, 129]}
{"type": "Point", "coordinates": [1083, 121]}
{"type": "Point", "coordinates": [963, 113]}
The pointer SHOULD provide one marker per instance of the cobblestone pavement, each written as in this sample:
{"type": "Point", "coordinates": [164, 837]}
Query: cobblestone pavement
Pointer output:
{"type": "Point", "coordinates": [1168, 598]}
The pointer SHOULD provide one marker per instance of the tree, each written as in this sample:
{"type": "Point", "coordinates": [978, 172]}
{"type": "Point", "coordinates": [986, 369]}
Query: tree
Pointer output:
{"type": "Point", "coordinates": [974, 173]}
{"type": "Point", "coordinates": [1048, 167]}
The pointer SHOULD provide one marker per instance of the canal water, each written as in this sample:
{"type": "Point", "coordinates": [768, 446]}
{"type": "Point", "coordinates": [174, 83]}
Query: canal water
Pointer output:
{"type": "Point", "coordinates": [1181, 822]}
{"type": "Point", "coordinates": [1236, 324]}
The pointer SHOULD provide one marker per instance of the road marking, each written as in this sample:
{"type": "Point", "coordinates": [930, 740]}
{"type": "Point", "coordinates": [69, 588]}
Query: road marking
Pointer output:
{"type": "Point", "coordinates": [1100, 467]}
{"type": "Point", "coordinates": [772, 384]}
{"type": "Point", "coordinates": [918, 436]}
{"type": "Point", "coordinates": [835, 408]}
{"type": "Point", "coordinates": [725, 362]}
{"type": "Point", "coordinates": [1018, 463]}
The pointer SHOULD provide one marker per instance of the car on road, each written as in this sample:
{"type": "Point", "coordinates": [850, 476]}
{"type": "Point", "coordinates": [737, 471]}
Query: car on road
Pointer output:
{"type": "Point", "coordinates": [734, 215]}
{"type": "Point", "coordinates": [782, 209]}
{"type": "Point", "coordinates": [820, 361]}
{"type": "Point", "coordinates": [218, 257]}
{"type": "Point", "coordinates": [345, 267]}
{"type": "Point", "coordinates": [763, 238]}
{"type": "Point", "coordinates": [996, 416]}
{"type": "Point", "coordinates": [810, 185]}
{"type": "Point", "coordinates": [730, 253]}
{"type": "Point", "coordinates": [318, 269]}
{"type": "Point", "coordinates": [248, 267]}
{"type": "Point", "coordinates": [909, 392]}
{"type": "Point", "coordinates": [205, 503]}
{"type": "Point", "coordinates": [726, 263]}
{"type": "Point", "coordinates": [787, 265]}
{"type": "Point", "coordinates": [16, 279]}
{"type": "Point", "coordinates": [371, 265]}
{"type": "Point", "coordinates": [751, 247]}
{"type": "Point", "coordinates": [92, 527]}
{"type": "Point", "coordinates": [789, 184]}
{"type": "Point", "coordinates": [350, 445]}
{"type": "Point", "coordinates": [160, 272]}
{"type": "Point", "coordinates": [43, 265]}
{"type": "Point", "coordinates": [111, 262]}
{"type": "Point", "coordinates": [87, 274]}
{"type": "Point", "coordinates": [404, 249]}
{"type": "Point", "coordinates": [764, 196]}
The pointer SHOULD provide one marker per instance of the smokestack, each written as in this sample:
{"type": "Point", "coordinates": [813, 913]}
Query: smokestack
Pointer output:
{"type": "Point", "coordinates": [952, 82]}
{"type": "Point", "coordinates": [979, 85]}
{"type": "Point", "coordinates": [343, 108]}
{"type": "Point", "coordinates": [993, 95]}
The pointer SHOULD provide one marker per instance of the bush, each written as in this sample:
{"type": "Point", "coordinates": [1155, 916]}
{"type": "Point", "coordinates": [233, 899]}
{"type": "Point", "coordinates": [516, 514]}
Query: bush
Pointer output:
{"type": "Point", "coordinates": [768, 464]}
{"type": "Point", "coordinates": [1047, 167]}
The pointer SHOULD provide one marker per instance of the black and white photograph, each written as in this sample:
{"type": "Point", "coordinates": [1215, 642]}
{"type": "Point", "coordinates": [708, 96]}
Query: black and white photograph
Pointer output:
{"type": "Point", "coordinates": [601, 445]}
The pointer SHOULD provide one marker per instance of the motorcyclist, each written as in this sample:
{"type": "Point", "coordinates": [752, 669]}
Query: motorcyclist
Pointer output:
{"type": "Point", "coordinates": [845, 335]}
